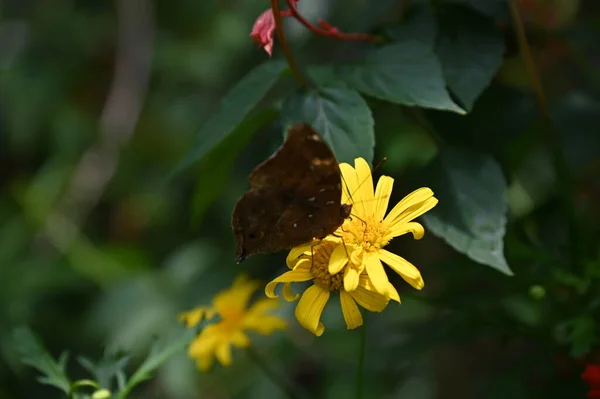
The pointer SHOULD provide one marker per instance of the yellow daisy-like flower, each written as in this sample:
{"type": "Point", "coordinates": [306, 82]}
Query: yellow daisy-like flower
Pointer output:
{"type": "Point", "coordinates": [364, 235]}
{"type": "Point", "coordinates": [310, 262]}
{"type": "Point", "coordinates": [231, 305]}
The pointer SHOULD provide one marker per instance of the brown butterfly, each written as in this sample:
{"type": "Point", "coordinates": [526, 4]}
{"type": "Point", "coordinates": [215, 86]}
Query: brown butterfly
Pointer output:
{"type": "Point", "coordinates": [295, 196]}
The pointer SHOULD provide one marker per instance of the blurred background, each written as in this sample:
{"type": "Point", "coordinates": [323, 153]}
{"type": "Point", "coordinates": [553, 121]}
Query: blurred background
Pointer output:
{"type": "Point", "coordinates": [100, 100]}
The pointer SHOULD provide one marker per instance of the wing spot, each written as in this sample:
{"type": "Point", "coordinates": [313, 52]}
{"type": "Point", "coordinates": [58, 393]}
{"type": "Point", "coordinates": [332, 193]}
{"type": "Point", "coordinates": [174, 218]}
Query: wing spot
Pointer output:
{"type": "Point", "coordinates": [295, 225]}
{"type": "Point", "coordinates": [330, 202]}
{"type": "Point", "coordinates": [311, 199]}
{"type": "Point", "coordinates": [310, 215]}
{"type": "Point", "coordinates": [314, 137]}
{"type": "Point", "coordinates": [322, 190]}
{"type": "Point", "coordinates": [338, 186]}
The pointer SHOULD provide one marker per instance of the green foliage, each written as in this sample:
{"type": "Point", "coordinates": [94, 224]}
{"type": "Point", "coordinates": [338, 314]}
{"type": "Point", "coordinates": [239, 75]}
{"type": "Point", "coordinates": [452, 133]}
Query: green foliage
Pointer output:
{"type": "Point", "coordinates": [511, 303]}
{"type": "Point", "coordinates": [106, 372]}
{"type": "Point", "coordinates": [340, 114]}
{"type": "Point", "coordinates": [405, 73]}
{"type": "Point", "coordinates": [33, 353]}
{"type": "Point", "coordinates": [471, 215]}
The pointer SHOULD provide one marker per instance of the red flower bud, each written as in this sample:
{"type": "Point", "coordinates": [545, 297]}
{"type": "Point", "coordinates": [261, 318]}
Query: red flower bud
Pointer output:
{"type": "Point", "coordinates": [262, 31]}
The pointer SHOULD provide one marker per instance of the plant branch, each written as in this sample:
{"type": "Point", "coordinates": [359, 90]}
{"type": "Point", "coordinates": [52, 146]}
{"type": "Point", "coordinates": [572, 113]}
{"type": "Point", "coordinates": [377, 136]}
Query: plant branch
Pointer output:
{"type": "Point", "coordinates": [326, 29]}
{"type": "Point", "coordinates": [284, 45]}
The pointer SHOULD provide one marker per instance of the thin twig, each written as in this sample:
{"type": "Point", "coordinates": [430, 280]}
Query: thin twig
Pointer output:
{"type": "Point", "coordinates": [285, 46]}
{"type": "Point", "coordinates": [326, 29]}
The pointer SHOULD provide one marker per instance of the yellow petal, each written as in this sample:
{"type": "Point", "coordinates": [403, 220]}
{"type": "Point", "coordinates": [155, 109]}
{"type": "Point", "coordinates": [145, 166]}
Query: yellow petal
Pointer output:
{"type": "Point", "coordinates": [338, 259]}
{"type": "Point", "coordinates": [223, 354]}
{"type": "Point", "coordinates": [296, 253]}
{"type": "Point", "coordinates": [350, 311]}
{"type": "Point", "coordinates": [416, 198]}
{"type": "Point", "coordinates": [398, 229]}
{"type": "Point", "coordinates": [393, 293]}
{"type": "Point", "coordinates": [193, 317]}
{"type": "Point", "coordinates": [205, 362]}
{"type": "Point", "coordinates": [287, 277]}
{"type": "Point", "coordinates": [382, 196]}
{"type": "Point", "coordinates": [240, 340]}
{"type": "Point", "coordinates": [367, 297]}
{"type": "Point", "coordinates": [363, 194]}
{"type": "Point", "coordinates": [303, 263]}
{"type": "Point", "coordinates": [350, 279]}
{"type": "Point", "coordinates": [376, 273]}
{"type": "Point", "coordinates": [404, 268]}
{"type": "Point", "coordinates": [263, 306]}
{"type": "Point", "coordinates": [236, 296]}
{"type": "Point", "coordinates": [265, 325]}
{"type": "Point", "coordinates": [310, 308]}
{"type": "Point", "coordinates": [349, 183]}
{"type": "Point", "coordinates": [288, 294]}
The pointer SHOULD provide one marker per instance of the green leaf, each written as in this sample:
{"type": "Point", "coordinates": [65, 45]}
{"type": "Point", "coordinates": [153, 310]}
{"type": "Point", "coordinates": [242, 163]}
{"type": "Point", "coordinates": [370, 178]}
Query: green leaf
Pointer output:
{"type": "Point", "coordinates": [213, 174]}
{"type": "Point", "coordinates": [340, 114]}
{"type": "Point", "coordinates": [160, 352]}
{"type": "Point", "coordinates": [407, 73]}
{"type": "Point", "coordinates": [33, 353]}
{"type": "Point", "coordinates": [234, 108]}
{"type": "Point", "coordinates": [471, 213]}
{"type": "Point", "coordinates": [419, 24]}
{"type": "Point", "coordinates": [470, 49]}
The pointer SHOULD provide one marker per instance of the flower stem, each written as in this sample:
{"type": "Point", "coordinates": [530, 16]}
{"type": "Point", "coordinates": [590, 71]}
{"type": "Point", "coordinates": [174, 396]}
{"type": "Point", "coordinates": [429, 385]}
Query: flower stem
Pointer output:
{"type": "Point", "coordinates": [326, 29]}
{"type": "Point", "coordinates": [565, 186]}
{"type": "Point", "coordinates": [289, 56]}
{"type": "Point", "coordinates": [285, 387]}
{"type": "Point", "coordinates": [361, 358]}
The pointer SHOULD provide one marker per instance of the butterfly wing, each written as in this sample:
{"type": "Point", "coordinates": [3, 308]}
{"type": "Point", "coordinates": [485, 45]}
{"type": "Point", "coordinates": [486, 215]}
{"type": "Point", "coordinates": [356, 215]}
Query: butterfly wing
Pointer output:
{"type": "Point", "coordinates": [294, 196]}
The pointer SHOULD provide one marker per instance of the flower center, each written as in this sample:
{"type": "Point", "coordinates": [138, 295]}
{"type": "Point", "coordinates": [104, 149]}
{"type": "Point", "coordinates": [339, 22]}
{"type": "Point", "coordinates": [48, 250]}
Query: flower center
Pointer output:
{"type": "Point", "coordinates": [369, 234]}
{"type": "Point", "coordinates": [320, 267]}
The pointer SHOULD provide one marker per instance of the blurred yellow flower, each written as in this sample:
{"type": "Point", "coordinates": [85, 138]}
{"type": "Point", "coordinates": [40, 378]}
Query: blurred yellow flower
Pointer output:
{"type": "Point", "coordinates": [231, 305]}
{"type": "Point", "coordinates": [364, 235]}
{"type": "Point", "coordinates": [310, 262]}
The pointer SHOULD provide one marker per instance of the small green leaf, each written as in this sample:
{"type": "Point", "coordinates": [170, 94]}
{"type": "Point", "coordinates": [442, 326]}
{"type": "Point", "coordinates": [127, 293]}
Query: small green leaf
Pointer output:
{"type": "Point", "coordinates": [340, 114]}
{"type": "Point", "coordinates": [407, 73]}
{"type": "Point", "coordinates": [160, 352]}
{"type": "Point", "coordinates": [234, 108]}
{"type": "Point", "coordinates": [34, 354]}
{"type": "Point", "coordinates": [471, 213]}
{"type": "Point", "coordinates": [470, 49]}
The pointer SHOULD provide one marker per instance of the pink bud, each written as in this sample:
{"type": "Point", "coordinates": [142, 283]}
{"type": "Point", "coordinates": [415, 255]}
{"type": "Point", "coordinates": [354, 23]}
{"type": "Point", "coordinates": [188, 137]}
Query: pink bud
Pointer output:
{"type": "Point", "coordinates": [262, 31]}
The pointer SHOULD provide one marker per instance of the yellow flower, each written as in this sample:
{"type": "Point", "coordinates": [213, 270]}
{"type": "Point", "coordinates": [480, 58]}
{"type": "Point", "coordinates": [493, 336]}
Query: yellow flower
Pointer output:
{"type": "Point", "coordinates": [231, 305]}
{"type": "Point", "coordinates": [365, 234]}
{"type": "Point", "coordinates": [310, 262]}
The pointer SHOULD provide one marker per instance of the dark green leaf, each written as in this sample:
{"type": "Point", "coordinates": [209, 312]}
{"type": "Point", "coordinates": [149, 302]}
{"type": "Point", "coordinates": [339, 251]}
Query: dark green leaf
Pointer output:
{"type": "Point", "coordinates": [405, 73]}
{"type": "Point", "coordinates": [340, 114]}
{"type": "Point", "coordinates": [470, 49]}
{"type": "Point", "coordinates": [214, 172]}
{"type": "Point", "coordinates": [471, 214]}
{"type": "Point", "coordinates": [419, 24]}
{"type": "Point", "coordinates": [234, 107]}
{"type": "Point", "coordinates": [34, 354]}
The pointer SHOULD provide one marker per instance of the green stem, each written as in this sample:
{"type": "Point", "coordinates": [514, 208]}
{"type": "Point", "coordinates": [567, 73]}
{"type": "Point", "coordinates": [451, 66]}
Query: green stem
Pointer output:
{"type": "Point", "coordinates": [361, 358]}
{"type": "Point", "coordinates": [285, 387]}
{"type": "Point", "coordinates": [565, 186]}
